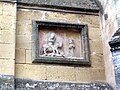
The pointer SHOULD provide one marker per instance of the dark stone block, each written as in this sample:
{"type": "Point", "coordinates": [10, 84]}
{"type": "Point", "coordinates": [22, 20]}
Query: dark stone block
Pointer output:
{"type": "Point", "coordinates": [6, 82]}
{"type": "Point", "coordinates": [23, 84]}
{"type": "Point", "coordinates": [115, 41]}
{"type": "Point", "coordinates": [11, 1]}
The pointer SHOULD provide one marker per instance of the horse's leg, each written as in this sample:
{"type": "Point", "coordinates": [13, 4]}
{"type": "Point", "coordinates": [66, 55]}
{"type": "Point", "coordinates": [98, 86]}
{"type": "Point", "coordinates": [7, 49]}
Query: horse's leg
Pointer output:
{"type": "Point", "coordinates": [44, 51]}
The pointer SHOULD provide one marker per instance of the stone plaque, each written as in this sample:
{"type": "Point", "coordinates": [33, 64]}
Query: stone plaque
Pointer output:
{"type": "Point", "coordinates": [62, 43]}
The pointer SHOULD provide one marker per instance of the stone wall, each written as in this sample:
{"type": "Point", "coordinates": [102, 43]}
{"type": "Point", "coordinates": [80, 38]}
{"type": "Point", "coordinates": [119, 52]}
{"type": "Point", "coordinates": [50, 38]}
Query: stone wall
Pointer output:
{"type": "Point", "coordinates": [7, 42]}
{"type": "Point", "coordinates": [26, 69]}
{"type": "Point", "coordinates": [16, 44]}
{"type": "Point", "coordinates": [7, 37]}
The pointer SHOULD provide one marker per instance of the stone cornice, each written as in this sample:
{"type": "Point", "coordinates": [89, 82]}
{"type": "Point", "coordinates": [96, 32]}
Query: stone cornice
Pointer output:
{"type": "Point", "coordinates": [75, 5]}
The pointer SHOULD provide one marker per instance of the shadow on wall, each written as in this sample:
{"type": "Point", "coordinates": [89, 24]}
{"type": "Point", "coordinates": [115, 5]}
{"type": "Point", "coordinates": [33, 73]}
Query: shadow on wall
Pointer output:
{"type": "Point", "coordinates": [100, 6]}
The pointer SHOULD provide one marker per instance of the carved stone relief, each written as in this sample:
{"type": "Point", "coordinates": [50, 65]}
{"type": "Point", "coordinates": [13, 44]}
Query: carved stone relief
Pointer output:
{"type": "Point", "coordinates": [52, 47]}
{"type": "Point", "coordinates": [60, 43]}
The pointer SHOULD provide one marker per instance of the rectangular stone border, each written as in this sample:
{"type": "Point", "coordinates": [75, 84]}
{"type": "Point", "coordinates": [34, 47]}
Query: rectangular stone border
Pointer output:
{"type": "Point", "coordinates": [35, 49]}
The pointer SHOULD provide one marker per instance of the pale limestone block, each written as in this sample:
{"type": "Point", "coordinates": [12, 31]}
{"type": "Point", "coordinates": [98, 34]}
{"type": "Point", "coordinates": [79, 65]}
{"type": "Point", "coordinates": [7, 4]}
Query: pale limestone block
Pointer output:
{"type": "Point", "coordinates": [22, 30]}
{"type": "Point", "coordinates": [9, 9]}
{"type": "Point", "coordinates": [82, 74]}
{"type": "Point", "coordinates": [97, 60]}
{"type": "Point", "coordinates": [7, 36]}
{"type": "Point", "coordinates": [0, 22]}
{"type": "Point", "coordinates": [29, 71]}
{"type": "Point", "coordinates": [23, 41]}
{"type": "Point", "coordinates": [7, 67]}
{"type": "Point", "coordinates": [7, 51]}
{"type": "Point", "coordinates": [0, 36]}
{"type": "Point", "coordinates": [94, 33]}
{"type": "Point", "coordinates": [60, 73]}
{"type": "Point", "coordinates": [8, 23]}
{"type": "Point", "coordinates": [89, 74]}
{"type": "Point", "coordinates": [28, 56]}
{"type": "Point", "coordinates": [25, 14]}
{"type": "Point", "coordinates": [97, 74]}
{"type": "Point", "coordinates": [63, 17]}
{"type": "Point", "coordinates": [20, 56]}
{"type": "Point", "coordinates": [96, 46]}
{"type": "Point", "coordinates": [91, 20]}
{"type": "Point", "coordinates": [1, 8]}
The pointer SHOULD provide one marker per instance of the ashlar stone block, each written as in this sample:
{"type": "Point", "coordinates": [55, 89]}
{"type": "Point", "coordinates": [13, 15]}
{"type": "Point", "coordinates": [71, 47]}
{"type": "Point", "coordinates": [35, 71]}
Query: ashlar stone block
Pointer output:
{"type": "Point", "coordinates": [7, 66]}
{"type": "Point", "coordinates": [57, 16]}
{"type": "Point", "coordinates": [60, 73]}
{"type": "Point", "coordinates": [7, 36]}
{"type": "Point", "coordinates": [91, 20]}
{"type": "Point", "coordinates": [89, 74]}
{"type": "Point", "coordinates": [23, 42]}
{"type": "Point", "coordinates": [29, 71]}
{"type": "Point", "coordinates": [20, 55]}
{"type": "Point", "coordinates": [1, 8]}
{"type": "Point", "coordinates": [28, 56]}
{"type": "Point", "coordinates": [7, 51]}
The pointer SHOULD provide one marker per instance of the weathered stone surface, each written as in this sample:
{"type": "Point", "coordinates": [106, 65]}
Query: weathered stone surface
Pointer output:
{"type": "Point", "coordinates": [89, 74]}
{"type": "Point", "coordinates": [95, 46]}
{"type": "Point", "coordinates": [20, 56]}
{"type": "Point", "coordinates": [90, 20]}
{"type": "Point", "coordinates": [7, 51]}
{"type": "Point", "coordinates": [70, 4]}
{"type": "Point", "coordinates": [56, 72]}
{"type": "Point", "coordinates": [1, 7]}
{"type": "Point", "coordinates": [60, 73]}
{"type": "Point", "coordinates": [23, 84]}
{"type": "Point", "coordinates": [97, 60]}
{"type": "Point", "coordinates": [30, 71]}
{"type": "Point", "coordinates": [23, 42]}
{"type": "Point", "coordinates": [58, 16]}
{"type": "Point", "coordinates": [7, 66]}
{"type": "Point", "coordinates": [8, 1]}
{"type": "Point", "coordinates": [28, 58]}
{"type": "Point", "coordinates": [7, 43]}
{"type": "Point", "coordinates": [6, 82]}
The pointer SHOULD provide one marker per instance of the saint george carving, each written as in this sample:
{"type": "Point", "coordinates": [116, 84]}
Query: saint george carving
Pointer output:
{"type": "Point", "coordinates": [52, 47]}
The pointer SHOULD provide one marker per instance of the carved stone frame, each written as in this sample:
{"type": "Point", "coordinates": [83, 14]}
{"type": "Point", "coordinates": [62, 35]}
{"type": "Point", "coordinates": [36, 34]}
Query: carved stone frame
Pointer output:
{"type": "Point", "coordinates": [35, 44]}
